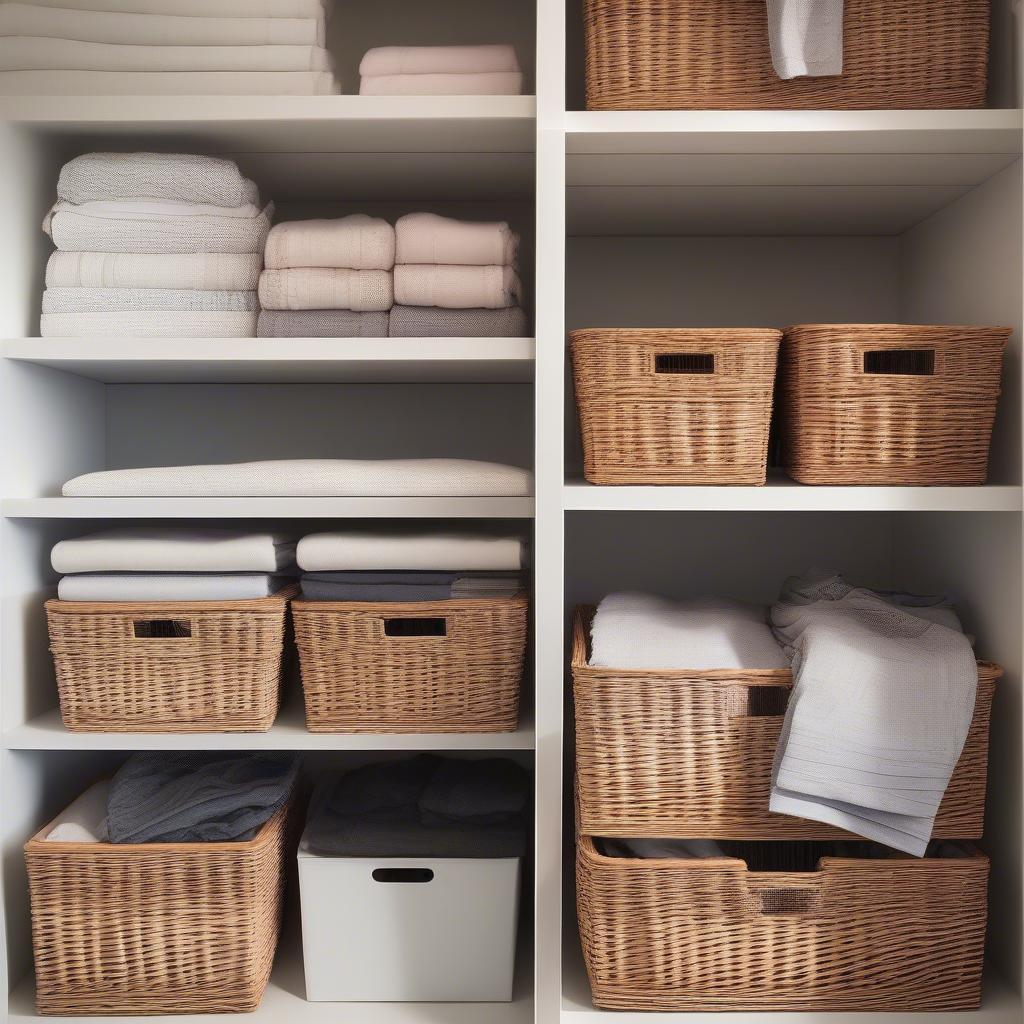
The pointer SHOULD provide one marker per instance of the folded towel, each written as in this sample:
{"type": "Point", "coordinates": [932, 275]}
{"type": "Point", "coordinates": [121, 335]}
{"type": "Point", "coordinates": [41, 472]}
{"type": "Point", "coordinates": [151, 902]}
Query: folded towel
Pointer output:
{"type": "Point", "coordinates": [806, 37]}
{"type": "Point", "coordinates": [643, 631]}
{"type": "Point", "coordinates": [311, 478]}
{"type": "Point", "coordinates": [36, 53]}
{"type": "Point", "coordinates": [670, 849]}
{"type": "Point", "coordinates": [143, 324]}
{"type": "Point", "coordinates": [203, 8]}
{"type": "Point", "coordinates": [410, 577]}
{"type": "Point", "coordinates": [314, 589]}
{"type": "Point", "coordinates": [87, 229]}
{"type": "Point", "coordinates": [356, 242]}
{"type": "Point", "coordinates": [168, 586]}
{"type": "Point", "coordinates": [498, 83]}
{"type": "Point", "coordinates": [167, 549]}
{"type": "Point", "coordinates": [326, 288]}
{"type": "Point", "coordinates": [429, 238]}
{"type": "Point", "coordinates": [486, 587]}
{"type": "Point", "coordinates": [427, 60]}
{"type": "Point", "coordinates": [229, 272]}
{"type": "Point", "coordinates": [456, 287]}
{"type": "Point", "coordinates": [101, 26]}
{"type": "Point", "coordinates": [162, 797]}
{"type": "Point", "coordinates": [882, 700]}
{"type": "Point", "coordinates": [322, 323]}
{"type": "Point", "coordinates": [186, 177]}
{"type": "Point", "coordinates": [168, 83]}
{"type": "Point", "coordinates": [102, 300]}
{"type": "Point", "coordinates": [84, 820]}
{"type": "Point", "coordinates": [405, 586]}
{"type": "Point", "coordinates": [434, 322]}
{"type": "Point", "coordinates": [320, 552]}
{"type": "Point", "coordinates": [143, 209]}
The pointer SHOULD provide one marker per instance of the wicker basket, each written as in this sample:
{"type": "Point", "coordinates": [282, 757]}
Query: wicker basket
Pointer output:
{"type": "Point", "coordinates": [855, 934]}
{"type": "Point", "coordinates": [157, 928]}
{"type": "Point", "coordinates": [889, 403]}
{"type": "Point", "coordinates": [424, 666]}
{"type": "Point", "coordinates": [687, 406]}
{"type": "Point", "coordinates": [689, 754]}
{"type": "Point", "coordinates": [183, 666]}
{"type": "Point", "coordinates": [714, 55]}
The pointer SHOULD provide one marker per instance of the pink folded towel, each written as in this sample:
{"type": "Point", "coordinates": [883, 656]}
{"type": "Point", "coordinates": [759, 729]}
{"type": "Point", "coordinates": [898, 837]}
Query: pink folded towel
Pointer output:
{"type": "Point", "coordinates": [326, 288]}
{"type": "Point", "coordinates": [357, 242]}
{"type": "Point", "coordinates": [438, 60]}
{"type": "Point", "coordinates": [456, 287]}
{"type": "Point", "coordinates": [492, 83]}
{"type": "Point", "coordinates": [428, 238]}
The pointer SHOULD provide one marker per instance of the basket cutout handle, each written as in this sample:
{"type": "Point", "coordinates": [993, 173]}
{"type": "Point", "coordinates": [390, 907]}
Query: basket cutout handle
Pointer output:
{"type": "Point", "coordinates": [767, 701]}
{"type": "Point", "coordinates": [425, 626]}
{"type": "Point", "coordinates": [900, 362]}
{"type": "Point", "coordinates": [162, 629]}
{"type": "Point", "coordinates": [684, 362]}
{"type": "Point", "coordinates": [776, 902]}
{"type": "Point", "coordinates": [403, 876]}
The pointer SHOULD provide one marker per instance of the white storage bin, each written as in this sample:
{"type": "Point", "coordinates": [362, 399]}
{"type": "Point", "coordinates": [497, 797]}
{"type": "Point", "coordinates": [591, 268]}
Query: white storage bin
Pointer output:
{"type": "Point", "coordinates": [402, 930]}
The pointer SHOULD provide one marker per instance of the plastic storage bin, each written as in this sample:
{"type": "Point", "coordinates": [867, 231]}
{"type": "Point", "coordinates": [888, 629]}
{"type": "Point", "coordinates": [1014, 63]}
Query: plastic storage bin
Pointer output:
{"type": "Point", "coordinates": [394, 929]}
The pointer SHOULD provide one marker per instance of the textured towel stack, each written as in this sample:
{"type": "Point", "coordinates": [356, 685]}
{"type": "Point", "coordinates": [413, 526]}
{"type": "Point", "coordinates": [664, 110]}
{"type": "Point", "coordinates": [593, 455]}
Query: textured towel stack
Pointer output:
{"type": "Point", "coordinates": [168, 47]}
{"type": "Point", "coordinates": [440, 71]}
{"type": "Point", "coordinates": [156, 245]}
{"type": "Point", "coordinates": [455, 279]}
{"type": "Point", "coordinates": [328, 278]}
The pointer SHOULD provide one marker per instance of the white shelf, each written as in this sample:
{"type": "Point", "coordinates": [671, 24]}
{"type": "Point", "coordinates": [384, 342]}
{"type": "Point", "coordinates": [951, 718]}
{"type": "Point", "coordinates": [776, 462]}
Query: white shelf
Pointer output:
{"type": "Point", "coordinates": [284, 360]}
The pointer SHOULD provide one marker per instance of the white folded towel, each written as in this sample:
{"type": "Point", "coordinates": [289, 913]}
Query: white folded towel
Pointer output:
{"type": "Point", "coordinates": [445, 552]}
{"type": "Point", "coordinates": [326, 288]}
{"type": "Point", "coordinates": [143, 324]}
{"type": "Point", "coordinates": [433, 60]}
{"type": "Point", "coordinates": [806, 37]}
{"type": "Point", "coordinates": [643, 631]}
{"type": "Point", "coordinates": [168, 83]}
{"type": "Point", "coordinates": [144, 209]}
{"type": "Point", "coordinates": [311, 478]}
{"type": "Point", "coordinates": [99, 300]}
{"type": "Point", "coordinates": [162, 549]}
{"type": "Point", "coordinates": [229, 272]}
{"type": "Point", "coordinates": [431, 239]}
{"type": "Point", "coordinates": [202, 8]}
{"type": "Point", "coordinates": [85, 819]}
{"type": "Point", "coordinates": [169, 587]}
{"type": "Point", "coordinates": [456, 287]}
{"type": "Point", "coordinates": [356, 242]}
{"type": "Point", "coordinates": [496, 83]}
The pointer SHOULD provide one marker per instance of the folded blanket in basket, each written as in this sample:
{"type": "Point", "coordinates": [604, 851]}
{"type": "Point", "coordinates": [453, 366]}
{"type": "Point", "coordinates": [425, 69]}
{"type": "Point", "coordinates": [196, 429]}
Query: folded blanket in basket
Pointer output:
{"type": "Point", "coordinates": [161, 797]}
{"type": "Point", "coordinates": [220, 272]}
{"type": "Point", "coordinates": [434, 322]}
{"type": "Point", "coordinates": [326, 288]}
{"type": "Point", "coordinates": [432, 60]}
{"type": "Point", "coordinates": [496, 83]}
{"type": "Point", "coordinates": [85, 819]}
{"type": "Point", "coordinates": [441, 552]}
{"type": "Point", "coordinates": [163, 549]}
{"type": "Point", "coordinates": [101, 300]}
{"type": "Point", "coordinates": [356, 242]}
{"type": "Point", "coordinates": [882, 701]}
{"type": "Point", "coordinates": [456, 287]}
{"type": "Point", "coordinates": [806, 37]}
{"type": "Point", "coordinates": [322, 323]}
{"type": "Point", "coordinates": [431, 239]}
{"type": "Point", "coordinates": [487, 586]}
{"type": "Point", "coordinates": [143, 324]}
{"type": "Point", "coordinates": [311, 478]}
{"type": "Point", "coordinates": [204, 8]}
{"type": "Point", "coordinates": [166, 586]}
{"type": "Point", "coordinates": [187, 177]}
{"type": "Point", "coordinates": [406, 586]}
{"type": "Point", "coordinates": [643, 631]}
{"type": "Point", "coordinates": [168, 83]}
{"type": "Point", "coordinates": [316, 588]}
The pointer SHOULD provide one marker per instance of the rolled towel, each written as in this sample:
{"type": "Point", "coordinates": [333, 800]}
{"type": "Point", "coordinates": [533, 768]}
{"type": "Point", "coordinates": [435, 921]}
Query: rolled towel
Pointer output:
{"type": "Point", "coordinates": [85, 819]}
{"type": "Point", "coordinates": [326, 288]}
{"type": "Point", "coordinates": [427, 60]}
{"type": "Point", "coordinates": [806, 37]}
{"type": "Point", "coordinates": [434, 322]}
{"type": "Point", "coordinates": [498, 83]}
{"type": "Point", "coordinates": [203, 8]}
{"type": "Point", "coordinates": [186, 177]}
{"type": "Point", "coordinates": [143, 324]}
{"type": "Point", "coordinates": [356, 242]}
{"type": "Point", "coordinates": [168, 83]}
{"type": "Point", "coordinates": [432, 239]}
{"type": "Point", "coordinates": [456, 287]}
{"type": "Point", "coordinates": [352, 551]}
{"type": "Point", "coordinates": [99, 300]}
{"type": "Point", "coordinates": [166, 586]}
{"type": "Point", "coordinates": [228, 272]}
{"type": "Point", "coordinates": [322, 323]}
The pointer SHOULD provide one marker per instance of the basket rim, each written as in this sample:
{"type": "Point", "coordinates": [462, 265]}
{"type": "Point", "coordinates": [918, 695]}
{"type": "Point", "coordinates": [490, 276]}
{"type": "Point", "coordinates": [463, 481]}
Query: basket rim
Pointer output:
{"type": "Point", "coordinates": [922, 329]}
{"type": "Point", "coordinates": [626, 335]}
{"type": "Point", "coordinates": [452, 604]}
{"type": "Point", "coordinates": [251, 604]}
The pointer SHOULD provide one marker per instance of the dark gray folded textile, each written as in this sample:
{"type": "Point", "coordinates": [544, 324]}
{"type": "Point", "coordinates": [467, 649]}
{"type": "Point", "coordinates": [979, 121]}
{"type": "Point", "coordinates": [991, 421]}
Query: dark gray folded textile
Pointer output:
{"type": "Point", "coordinates": [321, 323]}
{"type": "Point", "coordinates": [413, 576]}
{"type": "Point", "coordinates": [435, 322]}
{"type": "Point", "coordinates": [317, 590]}
{"type": "Point", "coordinates": [160, 797]}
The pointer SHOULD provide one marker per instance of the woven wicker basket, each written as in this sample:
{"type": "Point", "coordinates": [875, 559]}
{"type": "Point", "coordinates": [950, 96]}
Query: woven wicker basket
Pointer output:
{"type": "Point", "coordinates": [705, 935]}
{"type": "Point", "coordinates": [425, 666]}
{"type": "Point", "coordinates": [188, 666]}
{"type": "Point", "coordinates": [157, 928]}
{"type": "Point", "coordinates": [686, 406]}
{"type": "Point", "coordinates": [889, 403]}
{"type": "Point", "coordinates": [714, 55]}
{"type": "Point", "coordinates": [689, 754]}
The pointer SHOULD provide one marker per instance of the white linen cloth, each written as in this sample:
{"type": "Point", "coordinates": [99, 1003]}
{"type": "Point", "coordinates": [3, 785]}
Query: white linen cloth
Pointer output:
{"type": "Point", "coordinates": [218, 271]}
{"type": "Point", "coordinates": [806, 37]}
{"type": "Point", "coordinates": [644, 631]}
{"type": "Point", "coordinates": [93, 300]}
{"type": "Point", "coordinates": [428, 60]}
{"type": "Point", "coordinates": [881, 704]}
{"type": "Point", "coordinates": [162, 549]}
{"type": "Point", "coordinates": [168, 587]}
{"type": "Point", "coordinates": [432, 239]}
{"type": "Point", "coordinates": [85, 819]}
{"type": "Point", "coordinates": [51, 82]}
{"type": "Point", "coordinates": [311, 478]}
{"type": "Point", "coordinates": [456, 287]}
{"type": "Point", "coordinates": [202, 8]}
{"type": "Point", "coordinates": [496, 83]}
{"type": "Point", "coordinates": [327, 288]}
{"type": "Point", "coordinates": [181, 323]}
{"type": "Point", "coordinates": [356, 242]}
{"type": "Point", "coordinates": [443, 552]}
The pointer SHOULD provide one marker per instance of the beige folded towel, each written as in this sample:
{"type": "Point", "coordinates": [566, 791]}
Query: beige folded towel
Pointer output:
{"type": "Point", "coordinates": [495, 83]}
{"type": "Point", "coordinates": [429, 238]}
{"type": "Point", "coordinates": [357, 242]}
{"type": "Point", "coordinates": [204, 271]}
{"type": "Point", "coordinates": [456, 287]}
{"type": "Point", "coordinates": [326, 288]}
{"type": "Point", "coordinates": [433, 60]}
{"type": "Point", "coordinates": [145, 324]}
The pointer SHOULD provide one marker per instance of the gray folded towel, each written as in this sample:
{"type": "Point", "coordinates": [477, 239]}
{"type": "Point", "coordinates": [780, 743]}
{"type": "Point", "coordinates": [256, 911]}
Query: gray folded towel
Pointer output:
{"type": "Point", "coordinates": [322, 323]}
{"type": "Point", "coordinates": [435, 322]}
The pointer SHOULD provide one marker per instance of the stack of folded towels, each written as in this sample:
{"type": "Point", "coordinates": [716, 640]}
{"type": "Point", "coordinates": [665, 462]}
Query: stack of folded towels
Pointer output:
{"type": "Point", "coordinates": [491, 70]}
{"type": "Point", "coordinates": [158, 564]}
{"type": "Point", "coordinates": [168, 47]}
{"type": "Point", "coordinates": [328, 278]}
{"type": "Point", "coordinates": [423, 567]}
{"type": "Point", "coordinates": [456, 279]}
{"type": "Point", "coordinates": [154, 245]}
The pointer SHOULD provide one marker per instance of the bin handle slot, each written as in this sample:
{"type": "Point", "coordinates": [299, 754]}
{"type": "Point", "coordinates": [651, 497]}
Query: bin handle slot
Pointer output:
{"type": "Point", "coordinates": [767, 701]}
{"type": "Point", "coordinates": [684, 362]}
{"type": "Point", "coordinates": [900, 362]}
{"type": "Point", "coordinates": [787, 901]}
{"type": "Point", "coordinates": [162, 629]}
{"type": "Point", "coordinates": [416, 627]}
{"type": "Point", "coordinates": [403, 875]}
